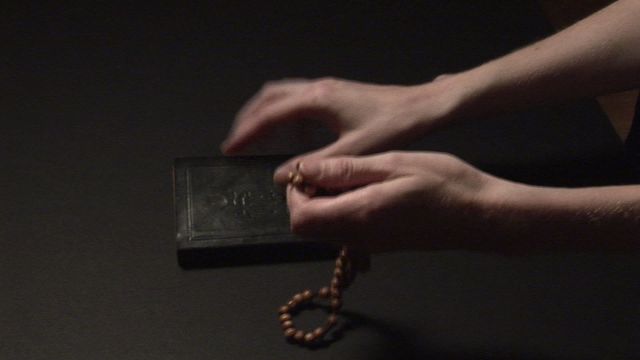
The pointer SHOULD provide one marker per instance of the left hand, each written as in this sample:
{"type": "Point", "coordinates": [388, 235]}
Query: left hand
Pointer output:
{"type": "Point", "coordinates": [394, 201]}
{"type": "Point", "coordinates": [366, 118]}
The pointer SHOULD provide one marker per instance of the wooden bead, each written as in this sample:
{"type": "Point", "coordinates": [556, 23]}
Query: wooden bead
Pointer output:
{"type": "Point", "coordinates": [342, 277]}
{"type": "Point", "coordinates": [287, 324]}
{"type": "Point", "coordinates": [319, 332]}
{"type": "Point", "coordinates": [324, 292]}
{"type": "Point", "coordinates": [346, 266]}
{"type": "Point", "coordinates": [338, 273]}
{"type": "Point", "coordinates": [332, 320]}
{"type": "Point", "coordinates": [336, 303]}
{"type": "Point", "coordinates": [298, 298]}
{"type": "Point", "coordinates": [309, 337]}
{"type": "Point", "coordinates": [307, 295]}
{"type": "Point", "coordinates": [297, 180]}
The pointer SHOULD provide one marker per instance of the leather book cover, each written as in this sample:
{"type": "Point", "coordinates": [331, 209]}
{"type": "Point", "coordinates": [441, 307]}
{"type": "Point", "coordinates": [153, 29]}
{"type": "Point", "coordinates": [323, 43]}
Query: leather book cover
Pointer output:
{"type": "Point", "coordinates": [229, 212]}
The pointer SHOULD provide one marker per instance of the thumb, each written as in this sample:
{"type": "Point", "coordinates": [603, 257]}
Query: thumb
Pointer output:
{"type": "Point", "coordinates": [345, 172]}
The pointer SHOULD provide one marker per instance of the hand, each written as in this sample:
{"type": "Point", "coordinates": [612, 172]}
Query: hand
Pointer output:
{"type": "Point", "coordinates": [367, 118]}
{"type": "Point", "coordinates": [393, 201]}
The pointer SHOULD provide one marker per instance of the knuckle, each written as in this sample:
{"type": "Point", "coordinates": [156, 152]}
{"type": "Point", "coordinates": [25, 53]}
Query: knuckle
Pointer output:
{"type": "Point", "coordinates": [328, 79]}
{"type": "Point", "coordinates": [453, 163]}
{"type": "Point", "coordinates": [321, 89]}
{"type": "Point", "coordinates": [267, 86]}
{"type": "Point", "coordinates": [448, 157]}
{"type": "Point", "coordinates": [394, 158]}
{"type": "Point", "coordinates": [395, 154]}
{"type": "Point", "coordinates": [441, 77]}
{"type": "Point", "coordinates": [439, 158]}
{"type": "Point", "coordinates": [341, 168]}
{"type": "Point", "coordinates": [445, 157]}
{"type": "Point", "coordinates": [272, 87]}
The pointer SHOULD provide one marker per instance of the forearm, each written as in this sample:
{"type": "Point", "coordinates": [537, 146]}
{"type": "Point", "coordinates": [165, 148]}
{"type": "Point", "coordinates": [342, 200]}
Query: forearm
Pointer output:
{"type": "Point", "coordinates": [597, 55]}
{"type": "Point", "coordinates": [529, 218]}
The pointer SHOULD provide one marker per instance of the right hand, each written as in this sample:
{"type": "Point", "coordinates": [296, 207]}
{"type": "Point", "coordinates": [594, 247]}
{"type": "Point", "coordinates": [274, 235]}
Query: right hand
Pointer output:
{"type": "Point", "coordinates": [399, 201]}
{"type": "Point", "coordinates": [366, 117]}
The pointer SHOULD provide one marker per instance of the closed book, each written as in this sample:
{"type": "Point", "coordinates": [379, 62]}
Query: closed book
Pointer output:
{"type": "Point", "coordinates": [229, 212]}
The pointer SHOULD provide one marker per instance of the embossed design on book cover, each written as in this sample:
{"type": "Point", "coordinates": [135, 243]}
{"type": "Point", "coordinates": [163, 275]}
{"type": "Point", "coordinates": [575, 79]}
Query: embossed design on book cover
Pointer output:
{"type": "Point", "coordinates": [234, 201]}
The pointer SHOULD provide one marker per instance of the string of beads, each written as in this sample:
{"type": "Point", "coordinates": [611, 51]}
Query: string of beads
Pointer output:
{"type": "Point", "coordinates": [343, 276]}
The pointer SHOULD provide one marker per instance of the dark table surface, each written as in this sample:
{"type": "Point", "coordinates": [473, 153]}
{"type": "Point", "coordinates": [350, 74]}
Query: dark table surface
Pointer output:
{"type": "Point", "coordinates": [98, 100]}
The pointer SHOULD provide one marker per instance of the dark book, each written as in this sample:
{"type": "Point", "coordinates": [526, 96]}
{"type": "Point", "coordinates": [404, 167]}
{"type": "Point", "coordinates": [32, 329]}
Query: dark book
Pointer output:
{"type": "Point", "coordinates": [229, 212]}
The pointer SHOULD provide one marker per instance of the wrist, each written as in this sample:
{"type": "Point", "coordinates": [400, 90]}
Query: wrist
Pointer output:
{"type": "Point", "coordinates": [522, 218]}
{"type": "Point", "coordinates": [452, 98]}
{"type": "Point", "coordinates": [505, 212]}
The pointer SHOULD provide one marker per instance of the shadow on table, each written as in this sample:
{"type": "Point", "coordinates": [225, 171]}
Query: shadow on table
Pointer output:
{"type": "Point", "coordinates": [399, 342]}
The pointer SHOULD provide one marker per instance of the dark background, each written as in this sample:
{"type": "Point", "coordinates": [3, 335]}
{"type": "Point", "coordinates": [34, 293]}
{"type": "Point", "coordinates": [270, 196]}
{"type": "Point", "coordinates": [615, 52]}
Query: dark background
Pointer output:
{"type": "Point", "coordinates": [97, 100]}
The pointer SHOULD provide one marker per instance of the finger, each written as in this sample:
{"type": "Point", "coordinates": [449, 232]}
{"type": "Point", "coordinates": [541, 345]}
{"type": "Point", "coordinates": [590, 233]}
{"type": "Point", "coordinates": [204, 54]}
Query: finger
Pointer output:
{"type": "Point", "coordinates": [347, 172]}
{"type": "Point", "coordinates": [281, 175]}
{"type": "Point", "coordinates": [297, 202]}
{"type": "Point", "coordinates": [441, 77]}
{"type": "Point", "coordinates": [260, 99]}
{"type": "Point", "coordinates": [270, 94]}
{"type": "Point", "coordinates": [325, 216]}
{"type": "Point", "coordinates": [296, 197]}
{"type": "Point", "coordinates": [352, 217]}
{"type": "Point", "coordinates": [345, 145]}
{"type": "Point", "coordinates": [349, 217]}
{"type": "Point", "coordinates": [291, 108]}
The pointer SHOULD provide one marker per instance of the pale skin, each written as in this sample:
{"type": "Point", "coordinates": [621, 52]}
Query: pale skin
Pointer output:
{"type": "Point", "coordinates": [425, 201]}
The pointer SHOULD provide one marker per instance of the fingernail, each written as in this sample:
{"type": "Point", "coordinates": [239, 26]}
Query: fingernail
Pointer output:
{"type": "Point", "coordinates": [281, 175]}
{"type": "Point", "coordinates": [282, 172]}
